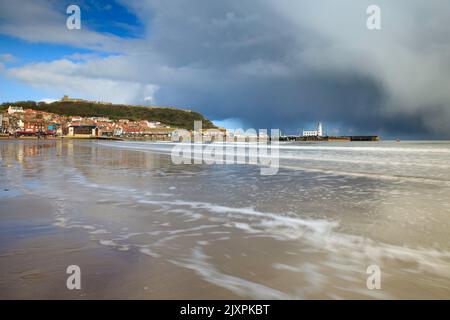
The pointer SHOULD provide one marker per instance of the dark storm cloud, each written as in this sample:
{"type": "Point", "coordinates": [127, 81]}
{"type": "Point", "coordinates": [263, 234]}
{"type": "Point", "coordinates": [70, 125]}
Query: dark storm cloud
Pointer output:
{"type": "Point", "coordinates": [289, 63]}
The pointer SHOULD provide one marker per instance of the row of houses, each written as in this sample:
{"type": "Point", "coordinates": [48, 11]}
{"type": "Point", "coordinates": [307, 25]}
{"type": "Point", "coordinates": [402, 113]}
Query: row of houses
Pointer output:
{"type": "Point", "coordinates": [19, 121]}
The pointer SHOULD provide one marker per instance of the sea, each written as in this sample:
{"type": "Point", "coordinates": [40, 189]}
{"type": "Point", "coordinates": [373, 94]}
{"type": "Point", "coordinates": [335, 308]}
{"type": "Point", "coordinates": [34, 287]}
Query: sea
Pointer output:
{"type": "Point", "coordinates": [338, 220]}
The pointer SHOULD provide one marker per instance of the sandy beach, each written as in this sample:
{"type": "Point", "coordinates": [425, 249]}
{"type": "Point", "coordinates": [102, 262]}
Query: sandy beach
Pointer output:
{"type": "Point", "coordinates": [35, 254]}
{"type": "Point", "coordinates": [141, 227]}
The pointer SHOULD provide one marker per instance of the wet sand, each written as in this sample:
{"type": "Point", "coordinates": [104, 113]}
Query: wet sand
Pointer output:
{"type": "Point", "coordinates": [140, 227]}
{"type": "Point", "coordinates": [34, 255]}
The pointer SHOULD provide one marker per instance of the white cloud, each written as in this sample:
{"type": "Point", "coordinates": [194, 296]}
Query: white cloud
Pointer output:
{"type": "Point", "coordinates": [74, 79]}
{"type": "Point", "coordinates": [48, 100]}
{"type": "Point", "coordinates": [40, 21]}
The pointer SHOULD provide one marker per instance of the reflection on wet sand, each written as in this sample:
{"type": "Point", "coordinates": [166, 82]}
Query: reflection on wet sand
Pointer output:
{"type": "Point", "coordinates": [143, 227]}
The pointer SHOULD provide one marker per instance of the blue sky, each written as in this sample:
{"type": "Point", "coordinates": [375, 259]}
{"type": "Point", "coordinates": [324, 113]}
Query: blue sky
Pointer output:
{"type": "Point", "coordinates": [24, 53]}
{"type": "Point", "coordinates": [107, 17]}
{"type": "Point", "coordinates": [263, 64]}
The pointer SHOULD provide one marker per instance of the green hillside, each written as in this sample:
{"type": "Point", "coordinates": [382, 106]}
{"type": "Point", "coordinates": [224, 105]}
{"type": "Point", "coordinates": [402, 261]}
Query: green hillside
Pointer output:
{"type": "Point", "coordinates": [170, 116]}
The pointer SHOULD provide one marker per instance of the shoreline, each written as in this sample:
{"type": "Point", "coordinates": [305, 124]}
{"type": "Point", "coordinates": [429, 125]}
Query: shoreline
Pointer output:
{"type": "Point", "coordinates": [59, 138]}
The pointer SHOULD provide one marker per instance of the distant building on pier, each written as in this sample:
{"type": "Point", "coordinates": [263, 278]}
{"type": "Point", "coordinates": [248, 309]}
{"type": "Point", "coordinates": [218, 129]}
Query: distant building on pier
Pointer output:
{"type": "Point", "coordinates": [314, 133]}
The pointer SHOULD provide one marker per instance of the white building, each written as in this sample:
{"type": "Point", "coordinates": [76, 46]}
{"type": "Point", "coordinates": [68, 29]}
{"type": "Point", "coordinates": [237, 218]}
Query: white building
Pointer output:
{"type": "Point", "coordinates": [77, 119]}
{"type": "Point", "coordinates": [12, 110]}
{"type": "Point", "coordinates": [117, 131]}
{"type": "Point", "coordinates": [100, 119]}
{"type": "Point", "coordinates": [314, 133]}
{"type": "Point", "coordinates": [153, 124]}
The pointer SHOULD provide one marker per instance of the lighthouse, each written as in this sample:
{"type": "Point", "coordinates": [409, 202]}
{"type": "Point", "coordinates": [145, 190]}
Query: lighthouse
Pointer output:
{"type": "Point", "coordinates": [314, 133]}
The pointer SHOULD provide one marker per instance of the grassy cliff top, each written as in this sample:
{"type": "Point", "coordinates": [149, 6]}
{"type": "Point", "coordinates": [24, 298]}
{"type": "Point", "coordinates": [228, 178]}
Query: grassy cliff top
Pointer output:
{"type": "Point", "coordinates": [171, 116]}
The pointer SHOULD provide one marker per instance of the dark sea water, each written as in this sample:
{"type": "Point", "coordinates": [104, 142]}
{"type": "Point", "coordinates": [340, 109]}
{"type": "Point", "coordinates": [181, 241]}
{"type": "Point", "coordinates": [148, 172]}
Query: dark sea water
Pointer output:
{"type": "Point", "coordinates": [309, 231]}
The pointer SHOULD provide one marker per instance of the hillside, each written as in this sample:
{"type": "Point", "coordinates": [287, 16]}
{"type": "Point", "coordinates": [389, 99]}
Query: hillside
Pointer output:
{"type": "Point", "coordinates": [170, 116]}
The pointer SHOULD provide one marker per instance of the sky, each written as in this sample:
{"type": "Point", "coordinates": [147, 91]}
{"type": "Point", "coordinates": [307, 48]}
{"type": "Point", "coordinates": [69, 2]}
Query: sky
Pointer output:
{"type": "Point", "coordinates": [250, 63]}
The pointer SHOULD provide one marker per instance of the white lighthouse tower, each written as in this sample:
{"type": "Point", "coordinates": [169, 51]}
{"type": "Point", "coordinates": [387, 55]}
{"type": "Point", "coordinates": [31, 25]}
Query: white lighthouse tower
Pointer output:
{"type": "Point", "coordinates": [319, 129]}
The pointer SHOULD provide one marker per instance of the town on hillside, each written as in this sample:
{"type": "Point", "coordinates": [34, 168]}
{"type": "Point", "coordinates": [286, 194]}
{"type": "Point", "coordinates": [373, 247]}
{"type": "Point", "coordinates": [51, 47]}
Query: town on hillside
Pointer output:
{"type": "Point", "coordinates": [20, 122]}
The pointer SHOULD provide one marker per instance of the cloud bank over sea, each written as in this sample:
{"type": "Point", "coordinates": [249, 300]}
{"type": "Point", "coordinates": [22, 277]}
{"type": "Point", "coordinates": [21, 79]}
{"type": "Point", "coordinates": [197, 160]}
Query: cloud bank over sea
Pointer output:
{"type": "Point", "coordinates": [268, 64]}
